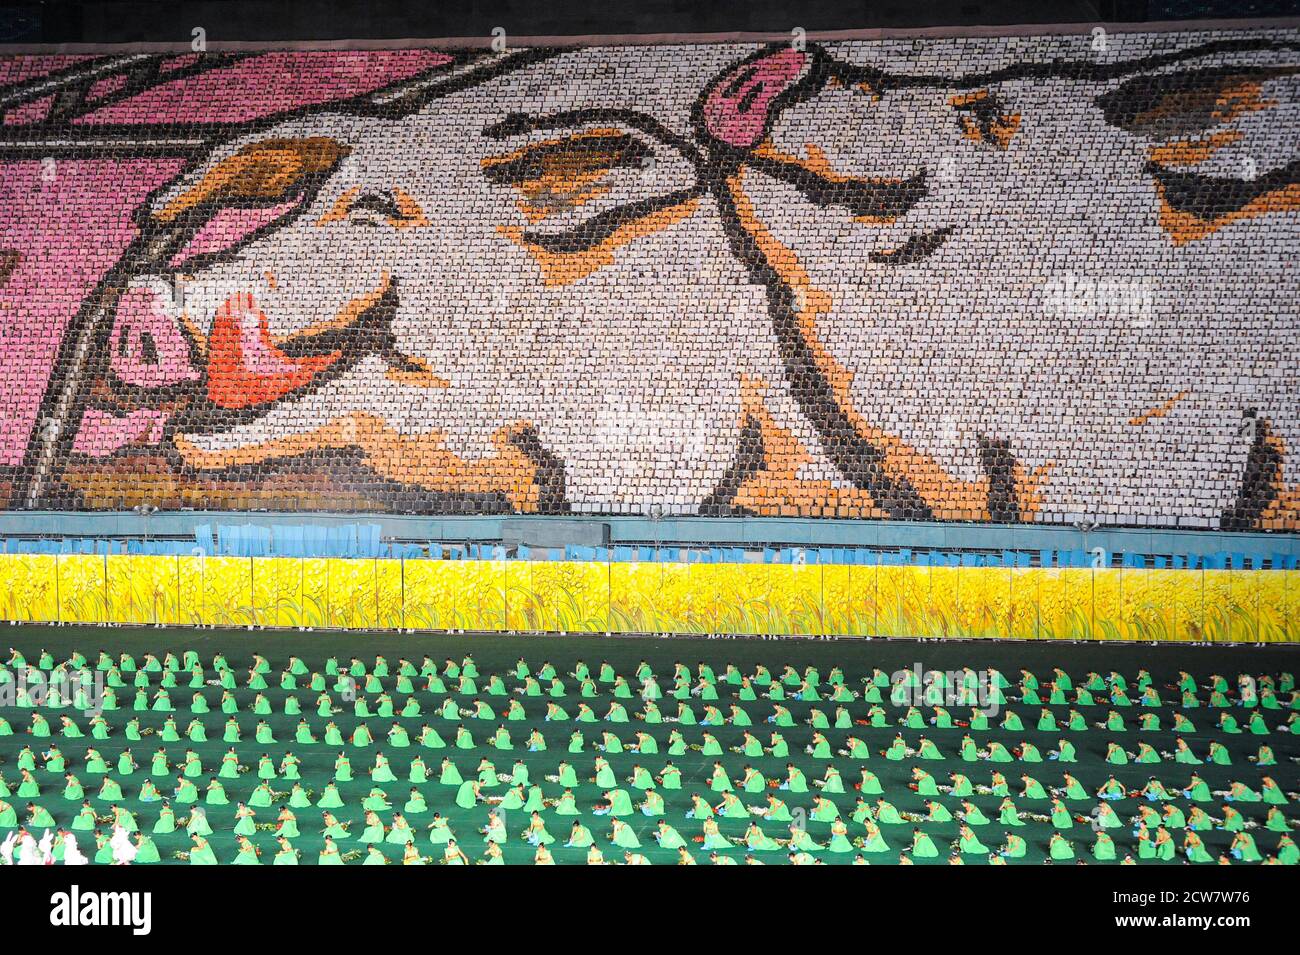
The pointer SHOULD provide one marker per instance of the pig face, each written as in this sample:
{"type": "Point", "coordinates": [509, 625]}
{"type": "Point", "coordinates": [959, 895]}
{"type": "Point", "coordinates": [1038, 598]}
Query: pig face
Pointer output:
{"type": "Point", "coordinates": [485, 299]}
{"type": "Point", "coordinates": [956, 292]}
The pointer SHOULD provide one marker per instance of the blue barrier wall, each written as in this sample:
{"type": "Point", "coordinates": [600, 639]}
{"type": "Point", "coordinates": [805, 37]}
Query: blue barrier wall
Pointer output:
{"type": "Point", "coordinates": [719, 539]}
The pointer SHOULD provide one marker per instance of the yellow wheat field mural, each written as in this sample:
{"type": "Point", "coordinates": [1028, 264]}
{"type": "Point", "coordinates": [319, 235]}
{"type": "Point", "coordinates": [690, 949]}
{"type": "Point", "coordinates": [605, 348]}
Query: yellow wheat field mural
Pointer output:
{"type": "Point", "coordinates": [650, 597]}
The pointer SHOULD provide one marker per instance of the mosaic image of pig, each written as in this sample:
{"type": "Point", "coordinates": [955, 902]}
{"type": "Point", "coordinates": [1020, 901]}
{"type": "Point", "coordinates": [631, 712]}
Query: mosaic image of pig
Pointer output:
{"type": "Point", "coordinates": [821, 282]}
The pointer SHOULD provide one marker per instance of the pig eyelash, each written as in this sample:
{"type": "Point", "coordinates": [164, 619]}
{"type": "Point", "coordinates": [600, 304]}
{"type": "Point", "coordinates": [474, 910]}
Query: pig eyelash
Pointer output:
{"type": "Point", "coordinates": [382, 204]}
{"type": "Point", "coordinates": [375, 209]}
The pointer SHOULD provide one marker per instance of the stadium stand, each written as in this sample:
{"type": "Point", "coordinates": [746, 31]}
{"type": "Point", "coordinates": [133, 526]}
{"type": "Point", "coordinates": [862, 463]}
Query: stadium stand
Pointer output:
{"type": "Point", "coordinates": [279, 327]}
{"type": "Point", "coordinates": [980, 279]}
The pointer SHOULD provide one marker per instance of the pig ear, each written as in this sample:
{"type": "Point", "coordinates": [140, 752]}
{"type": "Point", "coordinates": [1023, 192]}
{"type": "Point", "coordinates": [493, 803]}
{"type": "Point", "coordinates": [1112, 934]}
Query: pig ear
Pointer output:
{"type": "Point", "coordinates": [1167, 105]}
{"type": "Point", "coordinates": [581, 193]}
{"type": "Point", "coordinates": [265, 172]}
{"type": "Point", "coordinates": [739, 107]}
{"type": "Point", "coordinates": [240, 195]}
{"type": "Point", "coordinates": [1196, 151]}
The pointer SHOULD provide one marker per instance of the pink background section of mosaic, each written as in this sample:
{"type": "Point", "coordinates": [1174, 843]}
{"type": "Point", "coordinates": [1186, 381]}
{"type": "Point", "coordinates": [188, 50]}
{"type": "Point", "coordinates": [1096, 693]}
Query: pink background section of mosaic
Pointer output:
{"type": "Point", "coordinates": [69, 220]}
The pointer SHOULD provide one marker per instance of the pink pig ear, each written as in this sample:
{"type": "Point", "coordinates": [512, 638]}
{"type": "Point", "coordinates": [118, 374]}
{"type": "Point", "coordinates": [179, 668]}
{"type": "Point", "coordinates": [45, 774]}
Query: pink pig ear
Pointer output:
{"type": "Point", "coordinates": [737, 108]}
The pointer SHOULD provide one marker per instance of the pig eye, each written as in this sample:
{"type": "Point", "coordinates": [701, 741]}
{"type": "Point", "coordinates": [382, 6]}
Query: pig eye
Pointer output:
{"type": "Point", "coordinates": [382, 205]}
{"type": "Point", "coordinates": [982, 118]}
{"type": "Point", "coordinates": [392, 208]}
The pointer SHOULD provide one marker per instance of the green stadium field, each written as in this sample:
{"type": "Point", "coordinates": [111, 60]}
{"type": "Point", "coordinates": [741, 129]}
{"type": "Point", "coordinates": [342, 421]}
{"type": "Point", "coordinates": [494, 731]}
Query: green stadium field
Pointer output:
{"type": "Point", "coordinates": [1266, 820]}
